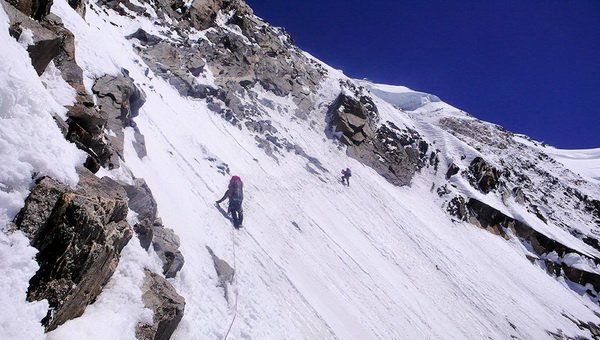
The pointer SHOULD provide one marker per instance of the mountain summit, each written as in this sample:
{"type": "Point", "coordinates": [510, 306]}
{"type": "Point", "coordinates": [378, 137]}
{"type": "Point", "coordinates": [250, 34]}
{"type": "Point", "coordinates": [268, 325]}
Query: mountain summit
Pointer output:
{"type": "Point", "coordinates": [124, 121]}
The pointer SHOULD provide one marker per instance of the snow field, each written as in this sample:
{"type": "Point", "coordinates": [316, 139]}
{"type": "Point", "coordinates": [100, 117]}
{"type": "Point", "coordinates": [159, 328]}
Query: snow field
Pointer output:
{"type": "Point", "coordinates": [315, 260]}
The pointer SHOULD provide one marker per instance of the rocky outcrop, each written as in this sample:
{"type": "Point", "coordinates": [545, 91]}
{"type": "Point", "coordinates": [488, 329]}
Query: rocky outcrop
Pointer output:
{"type": "Point", "coordinates": [395, 153]}
{"type": "Point", "coordinates": [453, 169]}
{"type": "Point", "coordinates": [141, 200]}
{"type": "Point", "coordinates": [225, 273]}
{"type": "Point", "coordinates": [483, 176]}
{"type": "Point", "coordinates": [166, 245]}
{"type": "Point", "coordinates": [167, 307]}
{"type": "Point", "coordinates": [150, 229]}
{"type": "Point", "coordinates": [79, 6]}
{"type": "Point", "coordinates": [36, 9]}
{"type": "Point", "coordinates": [79, 234]}
{"type": "Point", "coordinates": [386, 155]}
{"type": "Point", "coordinates": [353, 119]}
{"type": "Point", "coordinates": [244, 53]}
{"type": "Point", "coordinates": [119, 100]}
{"type": "Point", "coordinates": [53, 42]}
{"type": "Point", "coordinates": [86, 122]}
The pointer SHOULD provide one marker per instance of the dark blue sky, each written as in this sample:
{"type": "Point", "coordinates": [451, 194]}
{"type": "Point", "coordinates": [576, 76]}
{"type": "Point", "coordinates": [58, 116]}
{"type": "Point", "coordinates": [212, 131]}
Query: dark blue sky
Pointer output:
{"type": "Point", "coordinates": [530, 66]}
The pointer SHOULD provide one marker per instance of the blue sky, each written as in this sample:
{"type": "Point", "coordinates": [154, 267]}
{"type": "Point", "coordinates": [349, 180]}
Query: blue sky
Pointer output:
{"type": "Point", "coordinates": [530, 66]}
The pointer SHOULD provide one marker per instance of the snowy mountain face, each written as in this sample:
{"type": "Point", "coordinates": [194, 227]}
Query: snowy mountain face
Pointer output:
{"type": "Point", "coordinates": [123, 121]}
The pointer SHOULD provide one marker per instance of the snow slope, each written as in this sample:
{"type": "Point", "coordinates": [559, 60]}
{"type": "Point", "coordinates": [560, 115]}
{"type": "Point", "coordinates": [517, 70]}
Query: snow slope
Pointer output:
{"type": "Point", "coordinates": [315, 259]}
{"type": "Point", "coordinates": [583, 162]}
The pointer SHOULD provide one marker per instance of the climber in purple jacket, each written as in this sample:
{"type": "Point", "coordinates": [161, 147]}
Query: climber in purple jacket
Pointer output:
{"type": "Point", "coordinates": [235, 194]}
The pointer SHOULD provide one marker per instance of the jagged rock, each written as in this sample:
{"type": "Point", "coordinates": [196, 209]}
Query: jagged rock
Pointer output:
{"type": "Point", "coordinates": [261, 126]}
{"type": "Point", "coordinates": [385, 154]}
{"type": "Point", "coordinates": [352, 119]}
{"type": "Point", "coordinates": [46, 43]}
{"type": "Point", "coordinates": [458, 207]}
{"type": "Point", "coordinates": [144, 37]}
{"type": "Point", "coordinates": [166, 244]}
{"type": "Point", "coordinates": [122, 7]}
{"type": "Point", "coordinates": [177, 65]}
{"type": "Point", "coordinates": [79, 6]}
{"type": "Point", "coordinates": [141, 200]}
{"type": "Point", "coordinates": [33, 217]}
{"type": "Point", "coordinates": [120, 100]}
{"type": "Point", "coordinates": [119, 96]}
{"type": "Point", "coordinates": [79, 234]}
{"type": "Point", "coordinates": [85, 123]}
{"type": "Point", "coordinates": [484, 176]}
{"type": "Point", "coordinates": [36, 9]}
{"type": "Point", "coordinates": [225, 272]}
{"type": "Point", "coordinates": [144, 232]}
{"type": "Point", "coordinates": [265, 56]}
{"type": "Point", "coordinates": [167, 306]}
{"type": "Point", "coordinates": [481, 133]}
{"type": "Point", "coordinates": [519, 195]}
{"type": "Point", "coordinates": [453, 169]}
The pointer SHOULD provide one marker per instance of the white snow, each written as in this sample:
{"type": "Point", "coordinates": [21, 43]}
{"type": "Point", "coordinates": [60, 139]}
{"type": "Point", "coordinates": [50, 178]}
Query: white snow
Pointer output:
{"type": "Point", "coordinates": [62, 92]}
{"type": "Point", "coordinates": [315, 259]}
{"type": "Point", "coordinates": [400, 96]}
{"type": "Point", "coordinates": [26, 37]}
{"type": "Point", "coordinates": [583, 162]}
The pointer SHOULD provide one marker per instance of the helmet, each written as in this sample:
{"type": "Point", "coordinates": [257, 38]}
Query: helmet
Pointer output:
{"type": "Point", "coordinates": [235, 179]}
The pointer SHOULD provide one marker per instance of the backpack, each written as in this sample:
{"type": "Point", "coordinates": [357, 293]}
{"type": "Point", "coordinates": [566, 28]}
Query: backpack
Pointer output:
{"type": "Point", "coordinates": [236, 190]}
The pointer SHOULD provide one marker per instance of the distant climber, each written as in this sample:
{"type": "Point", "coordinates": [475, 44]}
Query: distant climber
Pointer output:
{"type": "Point", "coordinates": [346, 176]}
{"type": "Point", "coordinates": [235, 194]}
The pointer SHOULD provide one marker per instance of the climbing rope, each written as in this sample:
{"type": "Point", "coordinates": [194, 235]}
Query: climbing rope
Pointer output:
{"type": "Point", "coordinates": [235, 275]}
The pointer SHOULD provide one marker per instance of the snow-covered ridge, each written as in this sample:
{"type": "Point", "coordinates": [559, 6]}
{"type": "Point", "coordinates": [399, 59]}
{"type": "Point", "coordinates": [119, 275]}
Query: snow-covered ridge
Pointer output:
{"type": "Point", "coordinates": [583, 162]}
{"type": "Point", "coordinates": [400, 96]}
{"type": "Point", "coordinates": [315, 259]}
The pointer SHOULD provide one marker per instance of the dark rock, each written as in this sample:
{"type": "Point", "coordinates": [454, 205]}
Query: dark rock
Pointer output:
{"type": "Point", "coordinates": [85, 124]}
{"type": "Point", "coordinates": [352, 119]}
{"type": "Point", "coordinates": [385, 154]}
{"type": "Point", "coordinates": [167, 306]}
{"type": "Point", "coordinates": [36, 9]}
{"type": "Point", "coordinates": [42, 52]}
{"type": "Point", "coordinates": [79, 6]}
{"type": "Point", "coordinates": [519, 195]}
{"type": "Point", "coordinates": [483, 176]}
{"type": "Point", "coordinates": [33, 218]}
{"type": "Point", "coordinates": [141, 200]}
{"type": "Point", "coordinates": [457, 207]}
{"type": "Point", "coordinates": [166, 244]}
{"type": "Point", "coordinates": [261, 126]}
{"type": "Point", "coordinates": [453, 169]}
{"type": "Point", "coordinates": [144, 232]}
{"type": "Point", "coordinates": [79, 235]}
{"type": "Point", "coordinates": [144, 37]}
